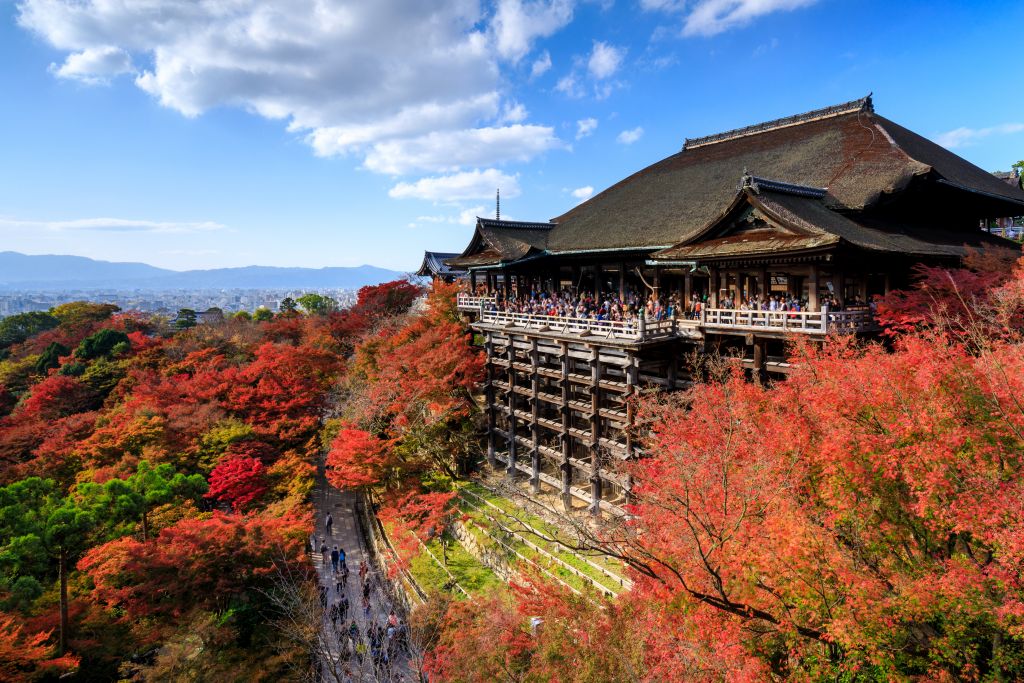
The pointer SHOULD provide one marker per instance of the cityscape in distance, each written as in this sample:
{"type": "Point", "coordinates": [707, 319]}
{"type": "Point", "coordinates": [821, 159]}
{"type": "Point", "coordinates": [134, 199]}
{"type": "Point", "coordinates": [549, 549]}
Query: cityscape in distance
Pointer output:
{"type": "Point", "coordinates": [38, 283]}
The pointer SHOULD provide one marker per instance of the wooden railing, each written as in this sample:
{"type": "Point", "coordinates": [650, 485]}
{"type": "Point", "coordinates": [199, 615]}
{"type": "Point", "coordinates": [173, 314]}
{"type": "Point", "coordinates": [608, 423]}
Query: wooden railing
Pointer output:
{"type": "Point", "coordinates": [801, 322]}
{"type": "Point", "coordinates": [720, 320]}
{"type": "Point", "coordinates": [465, 302]}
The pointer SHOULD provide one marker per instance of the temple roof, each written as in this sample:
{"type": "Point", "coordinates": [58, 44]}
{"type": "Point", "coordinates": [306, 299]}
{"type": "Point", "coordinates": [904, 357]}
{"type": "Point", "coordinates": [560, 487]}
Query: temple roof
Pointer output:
{"type": "Point", "coordinates": [434, 265]}
{"type": "Point", "coordinates": [859, 156]}
{"type": "Point", "coordinates": [497, 241]}
{"type": "Point", "coordinates": [793, 218]}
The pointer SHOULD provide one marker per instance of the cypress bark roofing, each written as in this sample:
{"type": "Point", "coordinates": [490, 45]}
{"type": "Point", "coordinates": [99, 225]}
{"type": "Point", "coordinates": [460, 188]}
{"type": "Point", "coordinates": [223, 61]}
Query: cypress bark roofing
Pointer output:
{"type": "Point", "coordinates": [848, 149]}
{"type": "Point", "coordinates": [856, 154]}
{"type": "Point", "coordinates": [434, 264]}
{"type": "Point", "coordinates": [802, 221]}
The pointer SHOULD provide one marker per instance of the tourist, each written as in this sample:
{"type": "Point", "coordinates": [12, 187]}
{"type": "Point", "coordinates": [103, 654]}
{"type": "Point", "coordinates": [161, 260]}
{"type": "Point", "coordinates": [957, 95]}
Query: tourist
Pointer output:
{"type": "Point", "coordinates": [341, 559]}
{"type": "Point", "coordinates": [329, 523]}
{"type": "Point", "coordinates": [334, 559]}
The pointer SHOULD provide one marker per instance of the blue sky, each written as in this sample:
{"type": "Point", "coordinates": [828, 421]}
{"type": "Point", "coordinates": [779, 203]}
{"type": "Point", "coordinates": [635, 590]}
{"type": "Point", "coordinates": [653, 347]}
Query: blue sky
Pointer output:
{"type": "Point", "coordinates": [196, 134]}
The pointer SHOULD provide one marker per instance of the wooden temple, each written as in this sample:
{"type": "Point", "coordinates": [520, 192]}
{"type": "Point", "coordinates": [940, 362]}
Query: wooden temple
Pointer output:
{"type": "Point", "coordinates": [823, 211]}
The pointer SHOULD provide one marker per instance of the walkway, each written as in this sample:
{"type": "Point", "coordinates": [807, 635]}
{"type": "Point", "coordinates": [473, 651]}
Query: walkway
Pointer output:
{"type": "Point", "coordinates": [346, 659]}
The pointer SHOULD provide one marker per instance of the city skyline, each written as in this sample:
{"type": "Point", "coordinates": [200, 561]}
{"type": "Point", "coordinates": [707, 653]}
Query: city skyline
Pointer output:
{"type": "Point", "coordinates": [367, 135]}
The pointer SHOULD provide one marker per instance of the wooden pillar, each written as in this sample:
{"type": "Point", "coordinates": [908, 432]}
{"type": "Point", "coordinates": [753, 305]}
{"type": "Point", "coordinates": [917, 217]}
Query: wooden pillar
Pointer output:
{"type": "Point", "coordinates": [472, 282]}
{"type": "Point", "coordinates": [576, 281]}
{"type": "Point", "coordinates": [622, 281]}
{"type": "Point", "coordinates": [595, 432]}
{"type": "Point", "coordinates": [631, 381]}
{"type": "Point", "coordinates": [714, 286]}
{"type": "Point", "coordinates": [840, 285]}
{"type": "Point", "coordinates": [766, 285]}
{"type": "Point", "coordinates": [534, 423]}
{"type": "Point", "coordinates": [760, 358]}
{"type": "Point", "coordinates": [812, 289]}
{"type": "Point", "coordinates": [490, 398]}
{"type": "Point", "coordinates": [687, 290]}
{"type": "Point", "coordinates": [886, 285]}
{"type": "Point", "coordinates": [511, 410]}
{"type": "Point", "coordinates": [597, 282]}
{"type": "Point", "coordinates": [862, 287]}
{"type": "Point", "coordinates": [657, 280]}
{"type": "Point", "coordinates": [564, 436]}
{"type": "Point", "coordinates": [673, 371]}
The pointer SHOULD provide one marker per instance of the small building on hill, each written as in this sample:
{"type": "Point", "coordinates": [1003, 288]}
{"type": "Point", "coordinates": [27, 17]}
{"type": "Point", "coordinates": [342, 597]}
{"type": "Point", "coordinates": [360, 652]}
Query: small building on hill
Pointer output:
{"type": "Point", "coordinates": [435, 267]}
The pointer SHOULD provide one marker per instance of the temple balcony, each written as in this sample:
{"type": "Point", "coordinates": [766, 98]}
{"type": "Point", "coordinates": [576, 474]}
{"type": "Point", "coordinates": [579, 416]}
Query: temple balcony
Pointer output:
{"type": "Point", "coordinates": [717, 321]}
{"type": "Point", "coordinates": [472, 304]}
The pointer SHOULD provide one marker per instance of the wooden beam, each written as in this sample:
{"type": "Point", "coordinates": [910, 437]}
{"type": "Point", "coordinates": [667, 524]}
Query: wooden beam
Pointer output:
{"type": "Point", "coordinates": [534, 423]}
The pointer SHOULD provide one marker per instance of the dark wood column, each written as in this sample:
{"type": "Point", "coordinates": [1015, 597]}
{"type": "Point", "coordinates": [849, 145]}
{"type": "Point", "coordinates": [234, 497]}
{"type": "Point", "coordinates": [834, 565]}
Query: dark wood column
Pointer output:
{"type": "Point", "coordinates": [566, 423]}
{"type": "Point", "coordinates": [490, 398]}
{"type": "Point", "coordinates": [511, 409]}
{"type": "Point", "coordinates": [535, 408]}
{"type": "Point", "coordinates": [597, 282]}
{"type": "Point", "coordinates": [714, 286]}
{"type": "Point", "coordinates": [622, 281]}
{"type": "Point", "coordinates": [595, 432]}
{"type": "Point", "coordinates": [812, 289]}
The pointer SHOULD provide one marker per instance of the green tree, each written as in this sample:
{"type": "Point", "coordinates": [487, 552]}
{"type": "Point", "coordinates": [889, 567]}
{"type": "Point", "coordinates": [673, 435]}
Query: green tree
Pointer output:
{"type": "Point", "coordinates": [1019, 168]}
{"type": "Point", "coordinates": [40, 524]}
{"type": "Point", "coordinates": [50, 357]}
{"type": "Point", "coordinates": [75, 313]}
{"type": "Point", "coordinates": [185, 319]}
{"type": "Point", "coordinates": [102, 344]}
{"type": "Point", "coordinates": [317, 304]}
{"type": "Point", "coordinates": [134, 498]}
{"type": "Point", "coordinates": [243, 315]}
{"type": "Point", "coordinates": [17, 328]}
{"type": "Point", "coordinates": [288, 305]}
{"type": "Point", "coordinates": [263, 314]}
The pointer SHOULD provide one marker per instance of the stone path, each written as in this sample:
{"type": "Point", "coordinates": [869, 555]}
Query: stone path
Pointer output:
{"type": "Point", "coordinates": [342, 664]}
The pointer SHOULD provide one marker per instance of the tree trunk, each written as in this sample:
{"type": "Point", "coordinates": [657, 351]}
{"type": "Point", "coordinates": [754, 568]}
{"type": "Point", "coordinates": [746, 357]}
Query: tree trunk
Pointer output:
{"type": "Point", "coordinates": [62, 648]}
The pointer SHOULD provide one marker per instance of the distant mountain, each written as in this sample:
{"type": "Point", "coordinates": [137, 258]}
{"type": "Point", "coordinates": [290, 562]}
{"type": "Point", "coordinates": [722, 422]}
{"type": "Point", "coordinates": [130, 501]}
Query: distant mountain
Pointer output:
{"type": "Point", "coordinates": [24, 272]}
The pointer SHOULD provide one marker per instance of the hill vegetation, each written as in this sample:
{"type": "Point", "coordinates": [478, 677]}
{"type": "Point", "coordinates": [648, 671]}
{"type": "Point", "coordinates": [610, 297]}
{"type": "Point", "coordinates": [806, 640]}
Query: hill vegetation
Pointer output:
{"type": "Point", "coordinates": [859, 521]}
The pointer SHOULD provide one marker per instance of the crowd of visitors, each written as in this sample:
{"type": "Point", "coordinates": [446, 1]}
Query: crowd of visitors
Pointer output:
{"type": "Point", "coordinates": [381, 642]}
{"type": "Point", "coordinates": [630, 308]}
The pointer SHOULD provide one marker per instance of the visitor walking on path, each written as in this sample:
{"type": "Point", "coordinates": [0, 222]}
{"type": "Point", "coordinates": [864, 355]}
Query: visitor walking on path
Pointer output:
{"type": "Point", "coordinates": [329, 523]}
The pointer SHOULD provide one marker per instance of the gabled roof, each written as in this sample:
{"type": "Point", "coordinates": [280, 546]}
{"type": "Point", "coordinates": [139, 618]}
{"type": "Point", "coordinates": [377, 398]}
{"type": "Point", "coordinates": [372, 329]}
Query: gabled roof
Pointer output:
{"type": "Point", "coordinates": [434, 265]}
{"type": "Point", "coordinates": [795, 218]}
{"type": "Point", "coordinates": [497, 241]}
{"type": "Point", "coordinates": [859, 156]}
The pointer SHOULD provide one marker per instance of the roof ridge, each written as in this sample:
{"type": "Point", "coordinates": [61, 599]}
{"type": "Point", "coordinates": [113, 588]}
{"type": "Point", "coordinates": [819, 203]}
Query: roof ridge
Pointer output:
{"type": "Point", "coordinates": [757, 184]}
{"type": "Point", "coordinates": [529, 225]}
{"type": "Point", "coordinates": [863, 104]}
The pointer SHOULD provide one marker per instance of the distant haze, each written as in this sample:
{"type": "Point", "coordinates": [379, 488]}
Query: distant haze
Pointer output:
{"type": "Point", "coordinates": [24, 272]}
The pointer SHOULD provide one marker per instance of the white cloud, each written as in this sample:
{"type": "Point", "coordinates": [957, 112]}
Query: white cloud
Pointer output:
{"type": "Point", "coordinates": [468, 216]}
{"type": "Point", "coordinates": [710, 17]}
{"type": "Point", "coordinates": [514, 112]}
{"type": "Point", "coordinates": [454, 150]}
{"type": "Point", "coordinates": [585, 127]}
{"type": "Point", "coordinates": [111, 225]}
{"type": "Point", "coordinates": [583, 192]}
{"type": "Point", "coordinates": [569, 86]}
{"type": "Point", "coordinates": [964, 137]}
{"type": "Point", "coordinates": [94, 65]}
{"type": "Point", "coordinates": [351, 77]}
{"type": "Point", "coordinates": [541, 65]}
{"type": "Point", "coordinates": [628, 137]}
{"type": "Point", "coordinates": [475, 184]}
{"type": "Point", "coordinates": [517, 23]}
{"type": "Point", "coordinates": [605, 60]}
